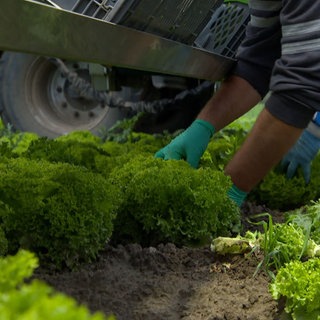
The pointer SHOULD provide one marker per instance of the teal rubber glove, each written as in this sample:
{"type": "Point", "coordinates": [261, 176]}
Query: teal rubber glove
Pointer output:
{"type": "Point", "coordinates": [237, 195]}
{"type": "Point", "coordinates": [190, 144]}
{"type": "Point", "coordinates": [301, 155]}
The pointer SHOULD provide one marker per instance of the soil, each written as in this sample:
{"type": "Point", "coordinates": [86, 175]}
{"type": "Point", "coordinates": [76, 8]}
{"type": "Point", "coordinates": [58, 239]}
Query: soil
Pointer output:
{"type": "Point", "coordinates": [170, 283]}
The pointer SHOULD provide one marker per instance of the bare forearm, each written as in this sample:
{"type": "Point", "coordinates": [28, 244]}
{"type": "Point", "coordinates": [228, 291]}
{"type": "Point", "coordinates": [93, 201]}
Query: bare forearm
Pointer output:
{"type": "Point", "coordinates": [235, 97]}
{"type": "Point", "coordinates": [269, 140]}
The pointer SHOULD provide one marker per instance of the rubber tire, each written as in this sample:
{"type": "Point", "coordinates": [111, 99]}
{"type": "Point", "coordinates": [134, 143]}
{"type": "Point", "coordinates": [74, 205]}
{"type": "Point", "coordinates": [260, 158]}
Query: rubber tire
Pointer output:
{"type": "Point", "coordinates": [24, 102]}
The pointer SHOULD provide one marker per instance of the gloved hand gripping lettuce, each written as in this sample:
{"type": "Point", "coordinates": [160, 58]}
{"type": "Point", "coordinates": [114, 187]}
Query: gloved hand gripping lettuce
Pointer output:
{"type": "Point", "coordinates": [190, 144]}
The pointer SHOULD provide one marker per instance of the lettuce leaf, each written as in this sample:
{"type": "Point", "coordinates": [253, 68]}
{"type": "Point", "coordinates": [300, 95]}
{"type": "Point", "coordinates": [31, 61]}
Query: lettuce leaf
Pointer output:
{"type": "Point", "coordinates": [299, 283]}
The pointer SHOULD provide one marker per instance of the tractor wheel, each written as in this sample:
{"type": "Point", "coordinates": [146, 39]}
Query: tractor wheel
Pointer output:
{"type": "Point", "coordinates": [36, 97]}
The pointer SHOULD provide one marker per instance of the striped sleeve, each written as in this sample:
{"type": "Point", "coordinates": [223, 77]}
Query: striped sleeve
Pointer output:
{"type": "Point", "coordinates": [296, 75]}
{"type": "Point", "coordinates": [261, 46]}
{"type": "Point", "coordinates": [281, 54]}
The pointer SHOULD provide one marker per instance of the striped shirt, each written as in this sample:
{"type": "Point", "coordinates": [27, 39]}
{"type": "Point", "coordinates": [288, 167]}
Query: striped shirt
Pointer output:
{"type": "Point", "coordinates": [281, 54]}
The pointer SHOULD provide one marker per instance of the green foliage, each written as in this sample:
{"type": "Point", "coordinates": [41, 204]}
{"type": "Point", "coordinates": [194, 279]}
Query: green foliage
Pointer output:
{"type": "Point", "coordinates": [145, 146]}
{"type": "Point", "coordinates": [227, 141]}
{"type": "Point", "coordinates": [15, 269]}
{"type": "Point", "coordinates": [308, 218]}
{"type": "Point", "coordinates": [278, 192]}
{"type": "Point", "coordinates": [21, 301]}
{"type": "Point", "coordinates": [3, 242]}
{"type": "Point", "coordinates": [122, 130]}
{"type": "Point", "coordinates": [137, 145]}
{"type": "Point", "coordinates": [169, 200]}
{"type": "Point", "coordinates": [6, 151]}
{"type": "Point", "coordinates": [221, 149]}
{"type": "Point", "coordinates": [81, 153]}
{"type": "Point", "coordinates": [299, 283]}
{"type": "Point", "coordinates": [90, 152]}
{"type": "Point", "coordinates": [80, 136]}
{"type": "Point", "coordinates": [281, 243]}
{"type": "Point", "coordinates": [247, 121]}
{"type": "Point", "coordinates": [284, 242]}
{"type": "Point", "coordinates": [17, 142]}
{"type": "Point", "coordinates": [62, 212]}
{"type": "Point", "coordinates": [123, 134]}
{"type": "Point", "coordinates": [296, 239]}
{"type": "Point", "coordinates": [39, 301]}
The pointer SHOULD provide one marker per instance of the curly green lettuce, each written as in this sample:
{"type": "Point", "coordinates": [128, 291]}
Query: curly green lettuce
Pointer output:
{"type": "Point", "coordinates": [35, 299]}
{"type": "Point", "coordinates": [298, 282]}
{"type": "Point", "coordinates": [171, 201]}
{"type": "Point", "coordinates": [62, 212]}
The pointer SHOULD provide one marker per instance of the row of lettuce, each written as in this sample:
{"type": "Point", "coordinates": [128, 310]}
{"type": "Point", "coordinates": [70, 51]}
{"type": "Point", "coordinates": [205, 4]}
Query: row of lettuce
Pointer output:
{"type": "Point", "coordinates": [63, 199]}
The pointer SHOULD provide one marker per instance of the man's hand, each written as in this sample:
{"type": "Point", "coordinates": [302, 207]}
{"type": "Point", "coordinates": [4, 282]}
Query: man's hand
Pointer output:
{"type": "Point", "coordinates": [190, 144]}
{"type": "Point", "coordinates": [301, 155]}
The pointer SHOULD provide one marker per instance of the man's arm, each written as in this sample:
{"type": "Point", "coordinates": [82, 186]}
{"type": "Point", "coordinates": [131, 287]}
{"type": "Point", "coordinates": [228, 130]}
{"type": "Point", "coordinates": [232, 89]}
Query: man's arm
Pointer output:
{"type": "Point", "coordinates": [234, 98]}
{"type": "Point", "coordinates": [268, 141]}
{"type": "Point", "coordinates": [264, 147]}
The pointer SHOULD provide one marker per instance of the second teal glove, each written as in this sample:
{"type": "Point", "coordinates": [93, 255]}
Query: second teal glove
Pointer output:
{"type": "Point", "coordinates": [301, 155]}
{"type": "Point", "coordinates": [190, 144]}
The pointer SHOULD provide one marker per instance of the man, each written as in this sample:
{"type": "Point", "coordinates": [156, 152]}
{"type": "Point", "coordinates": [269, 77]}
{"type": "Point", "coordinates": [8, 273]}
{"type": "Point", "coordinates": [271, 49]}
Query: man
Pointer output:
{"type": "Point", "coordinates": [280, 53]}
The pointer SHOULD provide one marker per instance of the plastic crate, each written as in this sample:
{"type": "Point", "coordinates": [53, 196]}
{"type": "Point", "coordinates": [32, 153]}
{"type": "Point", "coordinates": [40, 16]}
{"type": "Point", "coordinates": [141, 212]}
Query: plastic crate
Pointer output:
{"type": "Point", "coordinates": [179, 20]}
{"type": "Point", "coordinates": [212, 25]}
{"type": "Point", "coordinates": [99, 9]}
{"type": "Point", "coordinates": [225, 30]}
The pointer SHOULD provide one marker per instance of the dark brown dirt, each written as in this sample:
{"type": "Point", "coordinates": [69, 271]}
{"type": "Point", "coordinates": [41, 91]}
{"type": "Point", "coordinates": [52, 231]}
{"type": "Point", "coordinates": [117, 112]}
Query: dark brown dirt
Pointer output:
{"type": "Point", "coordinates": [170, 283]}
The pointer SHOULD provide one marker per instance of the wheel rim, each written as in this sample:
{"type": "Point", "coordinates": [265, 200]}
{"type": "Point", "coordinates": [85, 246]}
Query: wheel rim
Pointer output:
{"type": "Point", "coordinates": [54, 104]}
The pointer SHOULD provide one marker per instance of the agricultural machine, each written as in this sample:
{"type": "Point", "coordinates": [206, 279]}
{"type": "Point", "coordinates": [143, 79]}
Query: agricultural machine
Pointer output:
{"type": "Point", "coordinates": [84, 64]}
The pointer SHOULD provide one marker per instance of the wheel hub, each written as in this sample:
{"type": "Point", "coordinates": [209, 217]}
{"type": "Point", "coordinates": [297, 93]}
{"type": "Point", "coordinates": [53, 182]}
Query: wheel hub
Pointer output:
{"type": "Point", "coordinates": [68, 104]}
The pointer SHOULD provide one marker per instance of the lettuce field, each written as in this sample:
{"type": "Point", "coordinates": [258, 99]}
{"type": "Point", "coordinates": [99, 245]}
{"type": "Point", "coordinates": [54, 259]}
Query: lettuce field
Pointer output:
{"type": "Point", "coordinates": [97, 228]}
